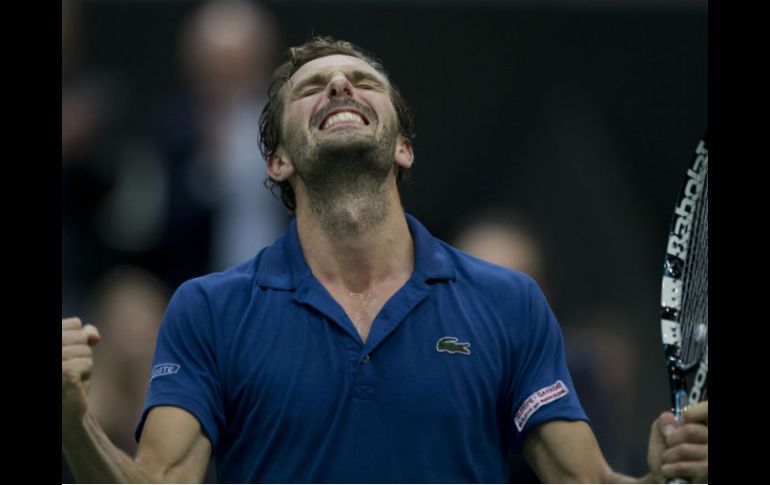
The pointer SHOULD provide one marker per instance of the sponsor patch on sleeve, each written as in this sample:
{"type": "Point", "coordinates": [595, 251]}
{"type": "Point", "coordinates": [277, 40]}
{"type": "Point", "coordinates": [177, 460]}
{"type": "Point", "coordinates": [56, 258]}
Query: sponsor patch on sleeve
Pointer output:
{"type": "Point", "coordinates": [538, 399]}
{"type": "Point", "coordinates": [164, 370]}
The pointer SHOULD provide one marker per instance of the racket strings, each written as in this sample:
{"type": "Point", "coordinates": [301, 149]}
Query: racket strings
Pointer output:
{"type": "Point", "coordinates": [694, 309]}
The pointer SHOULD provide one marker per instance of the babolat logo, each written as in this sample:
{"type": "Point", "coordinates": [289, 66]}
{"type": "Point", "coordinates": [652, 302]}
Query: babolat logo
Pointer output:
{"type": "Point", "coordinates": [164, 370]}
{"type": "Point", "coordinates": [452, 346]}
{"type": "Point", "coordinates": [678, 242]}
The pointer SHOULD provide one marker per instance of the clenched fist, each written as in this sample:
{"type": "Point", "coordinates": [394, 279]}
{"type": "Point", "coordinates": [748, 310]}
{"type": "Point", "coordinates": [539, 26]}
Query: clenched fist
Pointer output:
{"type": "Point", "coordinates": [76, 365]}
{"type": "Point", "coordinates": [680, 450]}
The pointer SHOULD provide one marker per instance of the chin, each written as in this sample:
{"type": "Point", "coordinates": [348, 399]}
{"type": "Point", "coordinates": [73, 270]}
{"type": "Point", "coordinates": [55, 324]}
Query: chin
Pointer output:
{"type": "Point", "coordinates": [348, 147]}
{"type": "Point", "coordinates": [350, 138]}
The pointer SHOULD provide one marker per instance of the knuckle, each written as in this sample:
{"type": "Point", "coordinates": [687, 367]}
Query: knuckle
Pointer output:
{"type": "Point", "coordinates": [677, 468]}
{"type": "Point", "coordinates": [667, 457]}
{"type": "Point", "coordinates": [68, 374]}
{"type": "Point", "coordinates": [678, 436]}
{"type": "Point", "coordinates": [673, 469]}
{"type": "Point", "coordinates": [695, 433]}
{"type": "Point", "coordinates": [672, 455]}
{"type": "Point", "coordinates": [688, 432]}
{"type": "Point", "coordinates": [686, 451]}
{"type": "Point", "coordinates": [74, 367]}
{"type": "Point", "coordinates": [76, 351]}
{"type": "Point", "coordinates": [72, 321]}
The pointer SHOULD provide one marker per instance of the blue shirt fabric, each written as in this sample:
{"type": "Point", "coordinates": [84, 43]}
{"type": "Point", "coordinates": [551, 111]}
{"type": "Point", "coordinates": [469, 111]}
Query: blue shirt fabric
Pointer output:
{"type": "Point", "coordinates": [286, 390]}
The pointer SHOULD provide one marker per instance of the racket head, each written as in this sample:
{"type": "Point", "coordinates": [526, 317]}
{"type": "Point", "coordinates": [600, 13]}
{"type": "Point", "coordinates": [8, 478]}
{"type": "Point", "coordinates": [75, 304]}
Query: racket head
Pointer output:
{"type": "Point", "coordinates": [684, 288]}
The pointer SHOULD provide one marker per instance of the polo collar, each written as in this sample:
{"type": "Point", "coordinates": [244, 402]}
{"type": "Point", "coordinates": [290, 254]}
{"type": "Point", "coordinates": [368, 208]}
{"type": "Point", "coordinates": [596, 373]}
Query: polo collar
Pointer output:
{"type": "Point", "coordinates": [283, 265]}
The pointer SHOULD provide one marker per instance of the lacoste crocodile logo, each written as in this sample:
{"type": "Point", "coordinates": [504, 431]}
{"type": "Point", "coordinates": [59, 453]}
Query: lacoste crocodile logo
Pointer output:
{"type": "Point", "coordinates": [452, 346]}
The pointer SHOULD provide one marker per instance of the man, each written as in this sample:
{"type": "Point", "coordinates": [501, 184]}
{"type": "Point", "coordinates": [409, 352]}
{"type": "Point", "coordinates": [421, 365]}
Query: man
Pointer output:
{"type": "Point", "coordinates": [357, 348]}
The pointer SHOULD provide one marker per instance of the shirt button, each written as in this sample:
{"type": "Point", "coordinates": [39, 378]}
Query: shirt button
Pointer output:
{"type": "Point", "coordinates": [366, 359]}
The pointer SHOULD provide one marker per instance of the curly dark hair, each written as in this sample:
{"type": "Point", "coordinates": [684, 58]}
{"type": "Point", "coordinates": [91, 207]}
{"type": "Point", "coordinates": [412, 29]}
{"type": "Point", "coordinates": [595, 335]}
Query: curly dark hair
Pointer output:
{"type": "Point", "coordinates": [272, 114]}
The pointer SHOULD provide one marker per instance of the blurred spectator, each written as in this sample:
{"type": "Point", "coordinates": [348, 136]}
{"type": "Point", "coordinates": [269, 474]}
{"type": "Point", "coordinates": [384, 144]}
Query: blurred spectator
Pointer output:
{"type": "Point", "coordinates": [601, 359]}
{"type": "Point", "coordinates": [505, 238]}
{"type": "Point", "coordinates": [183, 198]}
{"type": "Point", "coordinates": [217, 212]}
{"type": "Point", "coordinates": [604, 366]}
{"type": "Point", "coordinates": [90, 114]}
{"type": "Point", "coordinates": [127, 306]}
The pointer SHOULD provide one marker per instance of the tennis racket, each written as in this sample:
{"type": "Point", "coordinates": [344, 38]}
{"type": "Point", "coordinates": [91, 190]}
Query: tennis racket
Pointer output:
{"type": "Point", "coordinates": [684, 293]}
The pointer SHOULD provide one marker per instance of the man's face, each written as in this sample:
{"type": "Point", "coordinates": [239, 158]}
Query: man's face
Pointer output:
{"type": "Point", "coordinates": [338, 107]}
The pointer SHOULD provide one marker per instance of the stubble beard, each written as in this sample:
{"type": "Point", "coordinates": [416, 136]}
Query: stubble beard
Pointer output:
{"type": "Point", "coordinates": [345, 178]}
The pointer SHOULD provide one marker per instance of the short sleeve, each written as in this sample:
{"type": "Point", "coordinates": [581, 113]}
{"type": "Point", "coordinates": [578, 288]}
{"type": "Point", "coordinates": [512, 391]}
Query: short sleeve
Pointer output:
{"type": "Point", "coordinates": [542, 388]}
{"type": "Point", "coordinates": [184, 372]}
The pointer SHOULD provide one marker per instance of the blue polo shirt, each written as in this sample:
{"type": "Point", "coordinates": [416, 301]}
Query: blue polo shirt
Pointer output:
{"type": "Point", "coordinates": [460, 363]}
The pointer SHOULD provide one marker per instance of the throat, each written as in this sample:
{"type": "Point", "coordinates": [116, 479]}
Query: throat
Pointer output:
{"type": "Point", "coordinates": [350, 213]}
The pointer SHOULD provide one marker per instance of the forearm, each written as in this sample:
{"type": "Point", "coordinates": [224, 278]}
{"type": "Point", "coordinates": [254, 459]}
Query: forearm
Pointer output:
{"type": "Point", "coordinates": [611, 476]}
{"type": "Point", "coordinates": [93, 458]}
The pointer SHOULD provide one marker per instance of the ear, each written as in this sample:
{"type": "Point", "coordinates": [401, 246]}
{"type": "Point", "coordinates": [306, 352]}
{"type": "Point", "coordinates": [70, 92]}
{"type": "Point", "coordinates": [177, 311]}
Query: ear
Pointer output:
{"type": "Point", "coordinates": [404, 156]}
{"type": "Point", "coordinates": [279, 167]}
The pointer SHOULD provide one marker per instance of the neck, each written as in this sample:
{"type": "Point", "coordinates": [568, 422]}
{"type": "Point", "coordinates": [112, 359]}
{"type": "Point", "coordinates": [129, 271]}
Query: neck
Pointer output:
{"type": "Point", "coordinates": [361, 242]}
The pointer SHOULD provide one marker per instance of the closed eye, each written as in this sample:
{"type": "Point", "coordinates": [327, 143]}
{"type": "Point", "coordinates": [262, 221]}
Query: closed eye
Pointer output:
{"type": "Point", "coordinates": [310, 91]}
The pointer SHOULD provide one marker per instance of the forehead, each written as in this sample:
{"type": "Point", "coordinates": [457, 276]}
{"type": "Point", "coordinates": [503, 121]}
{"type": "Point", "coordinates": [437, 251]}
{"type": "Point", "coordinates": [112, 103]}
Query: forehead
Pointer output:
{"type": "Point", "coordinates": [334, 63]}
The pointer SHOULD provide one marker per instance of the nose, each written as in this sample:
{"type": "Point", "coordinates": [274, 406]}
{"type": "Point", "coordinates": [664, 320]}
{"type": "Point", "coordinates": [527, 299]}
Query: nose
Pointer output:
{"type": "Point", "coordinates": [340, 86]}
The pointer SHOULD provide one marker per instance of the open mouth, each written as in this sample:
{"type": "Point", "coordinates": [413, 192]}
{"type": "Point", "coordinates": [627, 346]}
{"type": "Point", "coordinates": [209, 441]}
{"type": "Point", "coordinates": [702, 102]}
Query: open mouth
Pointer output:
{"type": "Point", "coordinates": [343, 116]}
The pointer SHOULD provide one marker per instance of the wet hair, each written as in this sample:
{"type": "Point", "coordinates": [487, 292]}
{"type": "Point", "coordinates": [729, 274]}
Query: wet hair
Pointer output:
{"type": "Point", "coordinates": [272, 115]}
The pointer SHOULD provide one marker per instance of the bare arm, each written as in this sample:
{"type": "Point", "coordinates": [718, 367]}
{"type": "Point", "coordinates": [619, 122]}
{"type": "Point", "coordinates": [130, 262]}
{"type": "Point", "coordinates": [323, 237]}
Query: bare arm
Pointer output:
{"type": "Point", "coordinates": [565, 452]}
{"type": "Point", "coordinates": [173, 447]}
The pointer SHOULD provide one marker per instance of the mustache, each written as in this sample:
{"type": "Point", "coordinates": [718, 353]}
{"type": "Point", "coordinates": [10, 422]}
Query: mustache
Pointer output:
{"type": "Point", "coordinates": [316, 119]}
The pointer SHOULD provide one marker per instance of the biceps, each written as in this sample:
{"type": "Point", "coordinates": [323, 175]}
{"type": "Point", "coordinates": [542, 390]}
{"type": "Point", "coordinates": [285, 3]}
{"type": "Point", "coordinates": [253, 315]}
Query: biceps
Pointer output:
{"type": "Point", "coordinates": [565, 452]}
{"type": "Point", "coordinates": [173, 447]}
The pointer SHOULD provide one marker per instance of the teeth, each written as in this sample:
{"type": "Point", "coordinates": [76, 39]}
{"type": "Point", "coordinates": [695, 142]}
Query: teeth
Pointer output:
{"type": "Point", "coordinates": [341, 117]}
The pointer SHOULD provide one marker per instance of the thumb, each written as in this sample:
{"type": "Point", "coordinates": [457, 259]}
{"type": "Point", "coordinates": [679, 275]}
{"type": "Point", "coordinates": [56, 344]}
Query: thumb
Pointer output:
{"type": "Point", "coordinates": [666, 424]}
{"type": "Point", "coordinates": [662, 426]}
{"type": "Point", "coordinates": [657, 445]}
{"type": "Point", "coordinates": [93, 334]}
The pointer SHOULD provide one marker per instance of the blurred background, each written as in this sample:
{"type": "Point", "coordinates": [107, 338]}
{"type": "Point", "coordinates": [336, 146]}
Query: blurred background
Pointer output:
{"type": "Point", "coordinates": [552, 137]}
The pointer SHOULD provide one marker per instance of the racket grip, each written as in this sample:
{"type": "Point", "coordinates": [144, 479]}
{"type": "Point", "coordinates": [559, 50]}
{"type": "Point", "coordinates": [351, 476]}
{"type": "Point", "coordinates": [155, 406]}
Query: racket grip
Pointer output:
{"type": "Point", "coordinates": [680, 401]}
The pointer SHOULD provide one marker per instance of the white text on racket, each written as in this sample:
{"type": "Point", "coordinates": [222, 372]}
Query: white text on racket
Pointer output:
{"type": "Point", "coordinates": [677, 244]}
{"type": "Point", "coordinates": [700, 379]}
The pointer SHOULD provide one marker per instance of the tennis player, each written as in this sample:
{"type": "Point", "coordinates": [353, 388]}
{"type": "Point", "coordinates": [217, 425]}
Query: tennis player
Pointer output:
{"type": "Point", "coordinates": [356, 348]}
